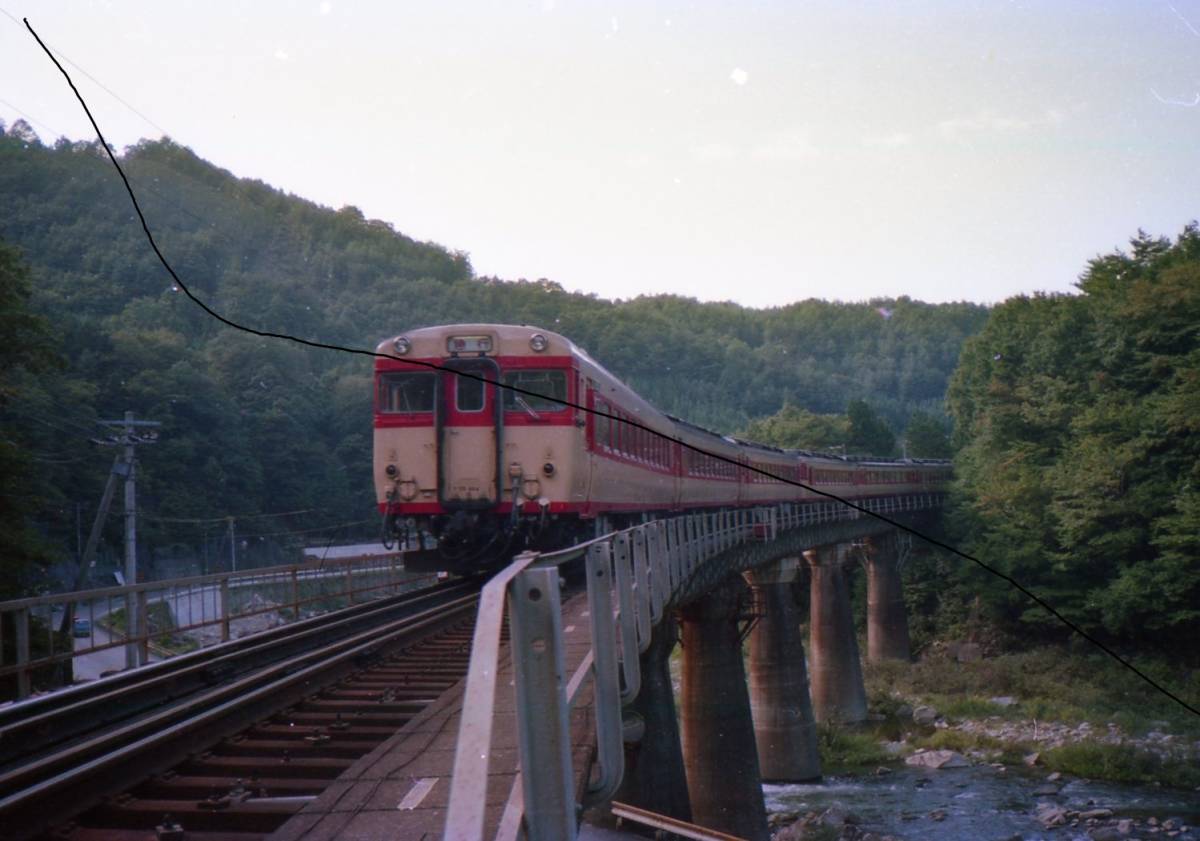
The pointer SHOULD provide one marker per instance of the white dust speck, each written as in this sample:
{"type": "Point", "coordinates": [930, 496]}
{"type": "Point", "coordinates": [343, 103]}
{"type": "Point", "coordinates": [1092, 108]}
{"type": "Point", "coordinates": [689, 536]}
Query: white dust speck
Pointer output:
{"type": "Point", "coordinates": [548, 5]}
{"type": "Point", "coordinates": [616, 26]}
{"type": "Point", "coordinates": [325, 8]}
{"type": "Point", "coordinates": [739, 76]}
{"type": "Point", "coordinates": [281, 54]}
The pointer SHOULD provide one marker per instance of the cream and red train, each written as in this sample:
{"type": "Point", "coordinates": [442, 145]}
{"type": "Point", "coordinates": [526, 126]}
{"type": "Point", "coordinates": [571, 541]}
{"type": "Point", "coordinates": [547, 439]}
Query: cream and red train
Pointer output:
{"type": "Point", "coordinates": [476, 472]}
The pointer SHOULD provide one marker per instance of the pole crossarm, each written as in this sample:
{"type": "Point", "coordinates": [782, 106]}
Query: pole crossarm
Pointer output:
{"type": "Point", "coordinates": [634, 577]}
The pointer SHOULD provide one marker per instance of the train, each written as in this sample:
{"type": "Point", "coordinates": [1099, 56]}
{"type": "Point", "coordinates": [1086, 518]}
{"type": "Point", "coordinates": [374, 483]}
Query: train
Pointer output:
{"type": "Point", "coordinates": [467, 473]}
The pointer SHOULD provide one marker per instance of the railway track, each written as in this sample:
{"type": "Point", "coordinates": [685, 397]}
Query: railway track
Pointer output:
{"type": "Point", "coordinates": [230, 744]}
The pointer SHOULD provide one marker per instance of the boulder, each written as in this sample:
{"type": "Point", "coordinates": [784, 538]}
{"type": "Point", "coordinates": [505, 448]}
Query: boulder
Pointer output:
{"type": "Point", "coordinates": [1049, 815]}
{"type": "Point", "coordinates": [937, 759]}
{"type": "Point", "coordinates": [1004, 701]}
{"type": "Point", "coordinates": [924, 715]}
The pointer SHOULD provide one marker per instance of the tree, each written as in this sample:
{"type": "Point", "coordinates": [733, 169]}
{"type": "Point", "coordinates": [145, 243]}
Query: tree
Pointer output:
{"type": "Point", "coordinates": [24, 347]}
{"type": "Point", "coordinates": [926, 437]}
{"type": "Point", "coordinates": [868, 433]}
{"type": "Point", "coordinates": [1079, 458]}
{"type": "Point", "coordinates": [795, 428]}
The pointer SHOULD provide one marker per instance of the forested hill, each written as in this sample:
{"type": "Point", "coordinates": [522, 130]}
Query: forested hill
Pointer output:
{"type": "Point", "coordinates": [252, 425]}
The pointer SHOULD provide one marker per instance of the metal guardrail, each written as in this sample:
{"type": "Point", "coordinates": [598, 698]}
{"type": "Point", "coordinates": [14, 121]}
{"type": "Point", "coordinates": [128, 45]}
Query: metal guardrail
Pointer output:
{"type": "Point", "coordinates": [29, 638]}
{"type": "Point", "coordinates": [633, 577]}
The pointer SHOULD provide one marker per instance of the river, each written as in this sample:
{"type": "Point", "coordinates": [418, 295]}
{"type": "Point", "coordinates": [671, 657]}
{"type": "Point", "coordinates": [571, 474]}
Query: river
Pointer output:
{"type": "Point", "coordinates": [982, 803]}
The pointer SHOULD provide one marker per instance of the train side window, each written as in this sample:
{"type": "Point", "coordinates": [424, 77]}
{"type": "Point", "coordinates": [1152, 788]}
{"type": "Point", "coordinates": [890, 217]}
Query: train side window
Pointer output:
{"type": "Point", "coordinates": [548, 389]}
{"type": "Point", "coordinates": [603, 424]}
{"type": "Point", "coordinates": [406, 393]}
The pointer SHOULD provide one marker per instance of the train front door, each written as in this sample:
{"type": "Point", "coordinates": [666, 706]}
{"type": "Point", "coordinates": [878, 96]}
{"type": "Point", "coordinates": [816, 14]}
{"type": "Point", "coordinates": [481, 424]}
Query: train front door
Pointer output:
{"type": "Point", "coordinates": [469, 436]}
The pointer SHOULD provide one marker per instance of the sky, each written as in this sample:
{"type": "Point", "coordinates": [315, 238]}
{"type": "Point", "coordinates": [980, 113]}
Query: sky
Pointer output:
{"type": "Point", "coordinates": [759, 152]}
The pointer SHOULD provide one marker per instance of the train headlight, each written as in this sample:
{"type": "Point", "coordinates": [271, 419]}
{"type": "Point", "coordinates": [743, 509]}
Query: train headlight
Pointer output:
{"type": "Point", "coordinates": [548, 468]}
{"type": "Point", "coordinates": [402, 345]}
{"type": "Point", "coordinates": [539, 342]}
{"type": "Point", "coordinates": [391, 470]}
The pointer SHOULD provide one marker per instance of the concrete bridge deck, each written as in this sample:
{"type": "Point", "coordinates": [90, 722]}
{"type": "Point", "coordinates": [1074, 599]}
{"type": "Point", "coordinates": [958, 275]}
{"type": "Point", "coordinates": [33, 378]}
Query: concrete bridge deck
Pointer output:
{"type": "Point", "coordinates": [400, 790]}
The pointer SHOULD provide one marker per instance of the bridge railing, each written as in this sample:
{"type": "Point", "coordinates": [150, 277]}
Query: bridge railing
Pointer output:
{"type": "Point", "coordinates": [182, 612]}
{"type": "Point", "coordinates": [633, 577]}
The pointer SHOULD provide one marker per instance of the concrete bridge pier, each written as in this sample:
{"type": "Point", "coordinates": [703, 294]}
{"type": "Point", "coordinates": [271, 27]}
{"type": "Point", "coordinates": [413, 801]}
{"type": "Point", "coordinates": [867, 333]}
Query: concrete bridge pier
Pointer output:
{"type": "Point", "coordinates": [724, 782]}
{"type": "Point", "coordinates": [655, 778]}
{"type": "Point", "coordinates": [838, 693]}
{"type": "Point", "coordinates": [887, 617]}
{"type": "Point", "coordinates": [784, 728]}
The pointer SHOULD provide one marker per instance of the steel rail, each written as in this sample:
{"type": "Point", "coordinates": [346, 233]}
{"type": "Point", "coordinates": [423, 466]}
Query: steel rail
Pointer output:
{"type": "Point", "coordinates": [35, 794]}
{"type": "Point", "coordinates": [40, 724]}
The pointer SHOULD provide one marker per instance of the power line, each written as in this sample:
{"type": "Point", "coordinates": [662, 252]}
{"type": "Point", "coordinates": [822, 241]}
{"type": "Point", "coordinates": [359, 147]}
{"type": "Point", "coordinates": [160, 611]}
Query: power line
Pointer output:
{"type": "Point", "coordinates": [227, 517]}
{"type": "Point", "coordinates": [30, 118]}
{"type": "Point", "coordinates": [102, 86]}
{"type": "Point", "coordinates": [432, 366]}
{"type": "Point", "coordinates": [336, 527]}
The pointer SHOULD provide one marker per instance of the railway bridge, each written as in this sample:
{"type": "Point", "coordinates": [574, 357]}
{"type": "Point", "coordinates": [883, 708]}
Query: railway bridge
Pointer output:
{"type": "Point", "coordinates": [575, 716]}
{"type": "Point", "coordinates": [590, 722]}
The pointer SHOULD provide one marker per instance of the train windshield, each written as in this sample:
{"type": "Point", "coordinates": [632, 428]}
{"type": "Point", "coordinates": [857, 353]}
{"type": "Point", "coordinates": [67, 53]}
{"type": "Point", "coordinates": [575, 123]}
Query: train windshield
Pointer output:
{"type": "Point", "coordinates": [542, 390]}
{"type": "Point", "coordinates": [406, 393]}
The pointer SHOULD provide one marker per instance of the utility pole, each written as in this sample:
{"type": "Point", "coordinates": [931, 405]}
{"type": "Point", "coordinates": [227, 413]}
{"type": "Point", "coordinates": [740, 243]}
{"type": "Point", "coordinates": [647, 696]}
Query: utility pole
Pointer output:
{"type": "Point", "coordinates": [87, 558]}
{"type": "Point", "coordinates": [135, 622]}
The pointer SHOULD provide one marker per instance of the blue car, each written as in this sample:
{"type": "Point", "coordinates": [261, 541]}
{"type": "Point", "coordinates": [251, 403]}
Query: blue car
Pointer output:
{"type": "Point", "coordinates": [82, 627]}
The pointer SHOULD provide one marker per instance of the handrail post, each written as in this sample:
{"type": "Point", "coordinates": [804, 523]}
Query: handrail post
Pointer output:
{"type": "Point", "coordinates": [143, 628]}
{"type": "Point", "coordinates": [630, 667]}
{"type": "Point", "coordinates": [659, 576]}
{"type": "Point", "coordinates": [610, 748]}
{"type": "Point", "coordinates": [641, 577]}
{"type": "Point", "coordinates": [676, 534]}
{"type": "Point", "coordinates": [225, 609]}
{"type": "Point", "coordinates": [295, 595]}
{"type": "Point", "coordinates": [21, 623]}
{"type": "Point", "coordinates": [535, 622]}
{"type": "Point", "coordinates": [694, 547]}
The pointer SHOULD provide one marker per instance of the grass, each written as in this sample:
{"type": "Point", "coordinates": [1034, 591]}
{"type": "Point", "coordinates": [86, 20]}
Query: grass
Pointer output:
{"type": "Point", "coordinates": [161, 626]}
{"type": "Point", "coordinates": [1120, 763]}
{"type": "Point", "coordinates": [1053, 683]}
{"type": "Point", "coordinates": [970, 706]}
{"type": "Point", "coordinates": [843, 749]}
{"type": "Point", "coordinates": [958, 740]}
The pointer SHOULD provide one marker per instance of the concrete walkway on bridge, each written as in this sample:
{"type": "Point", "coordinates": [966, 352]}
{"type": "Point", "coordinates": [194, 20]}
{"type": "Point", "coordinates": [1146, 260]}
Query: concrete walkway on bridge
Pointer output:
{"type": "Point", "coordinates": [400, 790]}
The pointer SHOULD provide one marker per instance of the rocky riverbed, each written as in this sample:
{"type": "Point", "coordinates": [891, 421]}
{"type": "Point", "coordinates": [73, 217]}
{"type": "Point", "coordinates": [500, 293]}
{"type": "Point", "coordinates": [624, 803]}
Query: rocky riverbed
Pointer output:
{"type": "Point", "coordinates": [977, 802]}
{"type": "Point", "coordinates": [994, 786]}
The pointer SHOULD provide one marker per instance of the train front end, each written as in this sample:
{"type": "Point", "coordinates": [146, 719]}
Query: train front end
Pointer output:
{"type": "Point", "coordinates": [466, 473]}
